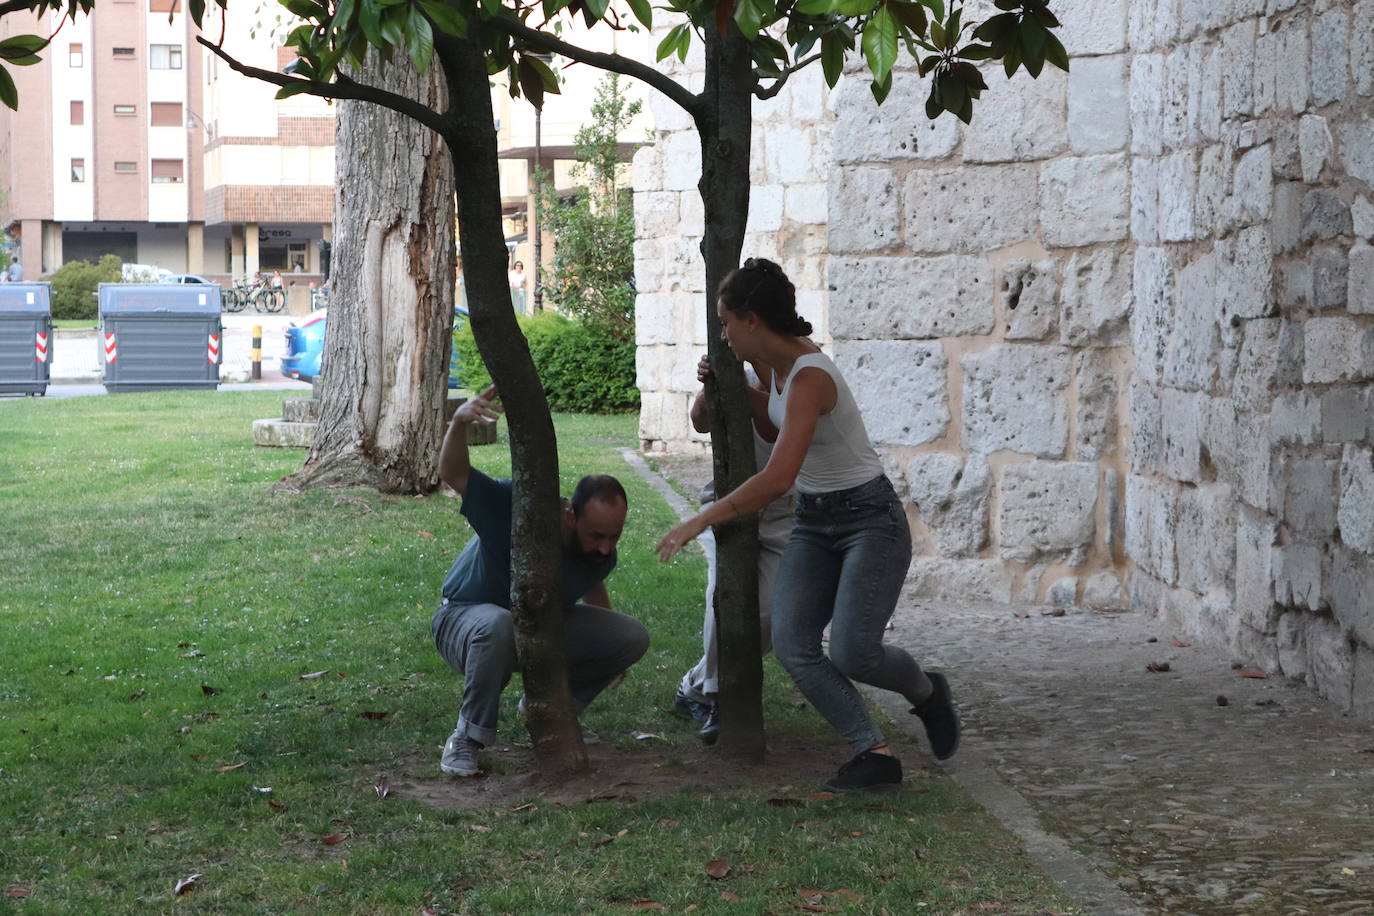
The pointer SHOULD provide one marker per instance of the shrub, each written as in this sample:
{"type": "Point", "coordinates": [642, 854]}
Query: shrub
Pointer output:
{"type": "Point", "coordinates": [583, 370]}
{"type": "Point", "coordinates": [74, 282]}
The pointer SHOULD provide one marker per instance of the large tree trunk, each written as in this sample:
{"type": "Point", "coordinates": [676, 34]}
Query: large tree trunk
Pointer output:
{"type": "Point", "coordinates": [385, 371]}
{"type": "Point", "coordinates": [724, 123]}
{"type": "Point", "coordinates": [536, 557]}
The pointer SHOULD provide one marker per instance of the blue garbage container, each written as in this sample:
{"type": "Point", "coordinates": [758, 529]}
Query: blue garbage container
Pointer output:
{"type": "Point", "coordinates": [156, 337]}
{"type": "Point", "coordinates": [25, 338]}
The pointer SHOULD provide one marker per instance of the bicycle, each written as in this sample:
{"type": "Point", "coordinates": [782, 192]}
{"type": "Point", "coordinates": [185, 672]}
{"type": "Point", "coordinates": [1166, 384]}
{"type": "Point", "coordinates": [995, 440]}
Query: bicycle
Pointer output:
{"type": "Point", "coordinates": [236, 297]}
{"type": "Point", "coordinates": [269, 299]}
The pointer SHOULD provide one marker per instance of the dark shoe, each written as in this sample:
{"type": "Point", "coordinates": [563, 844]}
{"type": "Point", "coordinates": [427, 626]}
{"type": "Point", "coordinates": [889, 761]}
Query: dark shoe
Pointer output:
{"type": "Point", "coordinates": [685, 707]}
{"type": "Point", "coordinates": [941, 721]}
{"type": "Point", "coordinates": [711, 730]}
{"type": "Point", "coordinates": [868, 772]}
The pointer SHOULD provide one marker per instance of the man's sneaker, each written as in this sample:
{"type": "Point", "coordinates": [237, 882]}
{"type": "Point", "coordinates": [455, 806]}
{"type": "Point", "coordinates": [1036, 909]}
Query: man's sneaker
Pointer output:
{"type": "Point", "coordinates": [941, 721]}
{"type": "Point", "coordinates": [710, 731]}
{"type": "Point", "coordinates": [685, 707]}
{"type": "Point", "coordinates": [868, 772]}
{"type": "Point", "coordinates": [460, 756]}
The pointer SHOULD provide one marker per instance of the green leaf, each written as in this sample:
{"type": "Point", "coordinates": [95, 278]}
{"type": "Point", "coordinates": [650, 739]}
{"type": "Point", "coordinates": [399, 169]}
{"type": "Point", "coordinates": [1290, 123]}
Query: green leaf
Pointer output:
{"type": "Point", "coordinates": [445, 17]}
{"type": "Point", "coordinates": [937, 34]}
{"type": "Point", "coordinates": [933, 106]}
{"type": "Point", "coordinates": [816, 7]}
{"type": "Point", "coordinates": [928, 64]}
{"type": "Point", "coordinates": [643, 12]}
{"type": "Point", "coordinates": [303, 9]}
{"type": "Point", "coordinates": [998, 28]}
{"type": "Point", "coordinates": [531, 86]}
{"type": "Point", "coordinates": [370, 18]}
{"type": "Point", "coordinates": [749, 18]}
{"type": "Point", "coordinates": [1008, 4]}
{"type": "Point", "coordinates": [684, 44]}
{"type": "Point", "coordinates": [1012, 60]}
{"type": "Point", "coordinates": [286, 92]}
{"type": "Point", "coordinates": [936, 7]}
{"type": "Point", "coordinates": [1055, 53]}
{"type": "Point", "coordinates": [595, 9]}
{"type": "Point", "coordinates": [421, 40]}
{"type": "Point", "coordinates": [1033, 39]}
{"type": "Point", "coordinates": [952, 92]}
{"type": "Point", "coordinates": [880, 43]}
{"type": "Point", "coordinates": [832, 58]}
{"type": "Point", "coordinates": [21, 45]}
{"type": "Point", "coordinates": [965, 112]}
{"type": "Point", "coordinates": [911, 15]}
{"type": "Point", "coordinates": [975, 52]}
{"type": "Point", "coordinates": [197, 8]}
{"type": "Point", "coordinates": [669, 43]}
{"type": "Point", "coordinates": [8, 93]}
{"type": "Point", "coordinates": [547, 77]}
{"type": "Point", "coordinates": [969, 75]}
{"type": "Point", "coordinates": [881, 88]}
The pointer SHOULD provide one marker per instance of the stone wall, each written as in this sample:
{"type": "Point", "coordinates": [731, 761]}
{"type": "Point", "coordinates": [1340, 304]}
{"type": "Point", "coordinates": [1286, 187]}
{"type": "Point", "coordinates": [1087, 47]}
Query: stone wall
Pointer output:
{"type": "Point", "coordinates": [1114, 339]}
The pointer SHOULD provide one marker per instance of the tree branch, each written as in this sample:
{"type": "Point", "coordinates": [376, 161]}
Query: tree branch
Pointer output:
{"type": "Point", "coordinates": [762, 93]}
{"type": "Point", "coordinates": [342, 88]}
{"type": "Point", "coordinates": [665, 84]}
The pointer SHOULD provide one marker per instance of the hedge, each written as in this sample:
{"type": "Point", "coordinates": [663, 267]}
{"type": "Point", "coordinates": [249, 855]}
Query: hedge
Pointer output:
{"type": "Point", "coordinates": [74, 283]}
{"type": "Point", "coordinates": [583, 371]}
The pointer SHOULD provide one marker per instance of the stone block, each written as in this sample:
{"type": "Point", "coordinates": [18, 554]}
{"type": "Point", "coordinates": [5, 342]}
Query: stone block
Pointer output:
{"type": "Point", "coordinates": [896, 130]}
{"type": "Point", "coordinates": [1297, 570]}
{"type": "Point", "coordinates": [657, 317]}
{"type": "Point", "coordinates": [1147, 104]}
{"type": "Point", "coordinates": [1047, 509]}
{"type": "Point", "coordinates": [1093, 26]}
{"type": "Point", "coordinates": [1360, 279]}
{"type": "Point", "coordinates": [1181, 420]}
{"type": "Point", "coordinates": [765, 208]}
{"type": "Point", "coordinates": [1345, 415]}
{"type": "Point", "coordinates": [1362, 214]}
{"type": "Point", "coordinates": [1314, 146]}
{"type": "Point", "coordinates": [1192, 341]}
{"type": "Point", "coordinates": [1146, 594]}
{"type": "Point", "coordinates": [931, 479]}
{"type": "Point", "coordinates": [1309, 503]}
{"type": "Point", "coordinates": [1362, 48]}
{"type": "Point", "coordinates": [1331, 348]}
{"type": "Point", "coordinates": [899, 386]}
{"type": "Point", "coordinates": [1096, 299]}
{"type": "Point", "coordinates": [1268, 46]}
{"type": "Point", "coordinates": [1019, 121]}
{"type": "Point", "coordinates": [1102, 592]}
{"type": "Point", "coordinates": [806, 203]}
{"type": "Point", "coordinates": [961, 530]}
{"type": "Point", "coordinates": [1206, 538]}
{"type": "Point", "coordinates": [648, 368]}
{"type": "Point", "coordinates": [1014, 400]}
{"type": "Point", "coordinates": [1238, 69]}
{"type": "Point", "coordinates": [1330, 277]}
{"type": "Point", "coordinates": [1356, 154]}
{"type": "Point", "coordinates": [1330, 660]}
{"type": "Point", "coordinates": [1099, 105]}
{"type": "Point", "coordinates": [1146, 441]}
{"type": "Point", "coordinates": [958, 580]}
{"type": "Point", "coordinates": [886, 298]}
{"type": "Point", "coordinates": [1085, 200]}
{"type": "Point", "coordinates": [1177, 193]}
{"type": "Point", "coordinates": [1030, 298]}
{"type": "Point", "coordinates": [1295, 419]}
{"type": "Point", "coordinates": [1256, 533]}
{"type": "Point", "coordinates": [968, 209]}
{"type": "Point", "coordinates": [1285, 224]}
{"type": "Point", "coordinates": [1257, 364]}
{"type": "Point", "coordinates": [1152, 283]}
{"type": "Point", "coordinates": [663, 417]}
{"type": "Point", "coordinates": [681, 161]}
{"type": "Point", "coordinates": [1287, 160]}
{"type": "Point", "coordinates": [1151, 525]}
{"type": "Point", "coordinates": [1252, 192]}
{"type": "Point", "coordinates": [1095, 431]}
{"type": "Point", "coordinates": [656, 213]}
{"type": "Point", "coordinates": [1323, 215]}
{"type": "Point", "coordinates": [784, 165]}
{"type": "Point", "coordinates": [300, 410]}
{"type": "Point", "coordinates": [1254, 482]}
{"type": "Point", "coordinates": [864, 209]}
{"type": "Point", "coordinates": [1330, 57]}
{"type": "Point", "coordinates": [1350, 590]}
{"type": "Point", "coordinates": [1209, 91]}
{"type": "Point", "coordinates": [1292, 645]}
{"type": "Point", "coordinates": [1145, 200]}
{"type": "Point", "coordinates": [1244, 275]}
{"type": "Point", "coordinates": [1175, 126]}
{"type": "Point", "coordinates": [1362, 687]}
{"type": "Point", "coordinates": [1214, 182]}
{"type": "Point", "coordinates": [1293, 82]}
{"type": "Point", "coordinates": [279, 433]}
{"type": "Point", "coordinates": [1356, 513]}
{"type": "Point", "coordinates": [1062, 592]}
{"type": "Point", "coordinates": [1295, 285]}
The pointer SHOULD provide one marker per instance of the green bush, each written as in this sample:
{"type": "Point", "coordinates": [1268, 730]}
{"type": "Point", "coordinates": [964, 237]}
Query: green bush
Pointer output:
{"type": "Point", "coordinates": [74, 282]}
{"type": "Point", "coordinates": [583, 370]}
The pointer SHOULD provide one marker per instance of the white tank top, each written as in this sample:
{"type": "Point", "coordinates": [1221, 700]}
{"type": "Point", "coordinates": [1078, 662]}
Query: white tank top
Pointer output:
{"type": "Point", "coordinates": [840, 455]}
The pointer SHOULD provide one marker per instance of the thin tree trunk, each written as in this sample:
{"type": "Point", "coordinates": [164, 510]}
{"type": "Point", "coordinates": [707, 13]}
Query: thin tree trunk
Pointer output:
{"type": "Point", "coordinates": [536, 558]}
{"type": "Point", "coordinates": [385, 369]}
{"type": "Point", "coordinates": [724, 126]}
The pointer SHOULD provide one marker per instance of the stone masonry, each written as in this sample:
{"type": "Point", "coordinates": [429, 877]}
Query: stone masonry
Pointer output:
{"type": "Point", "coordinates": [1115, 340]}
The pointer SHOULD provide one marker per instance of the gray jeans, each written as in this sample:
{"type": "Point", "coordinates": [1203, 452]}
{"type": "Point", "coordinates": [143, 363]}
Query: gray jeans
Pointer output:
{"type": "Point", "coordinates": [844, 566]}
{"type": "Point", "coordinates": [478, 642]}
{"type": "Point", "coordinates": [702, 682]}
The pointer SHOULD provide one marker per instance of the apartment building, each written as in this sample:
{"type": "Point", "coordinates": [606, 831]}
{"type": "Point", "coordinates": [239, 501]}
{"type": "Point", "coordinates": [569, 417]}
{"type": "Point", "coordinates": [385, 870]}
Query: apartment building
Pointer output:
{"type": "Point", "coordinates": [133, 139]}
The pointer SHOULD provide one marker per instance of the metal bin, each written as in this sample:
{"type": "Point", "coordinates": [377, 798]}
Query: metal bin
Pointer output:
{"type": "Point", "coordinates": [155, 337]}
{"type": "Point", "coordinates": [25, 338]}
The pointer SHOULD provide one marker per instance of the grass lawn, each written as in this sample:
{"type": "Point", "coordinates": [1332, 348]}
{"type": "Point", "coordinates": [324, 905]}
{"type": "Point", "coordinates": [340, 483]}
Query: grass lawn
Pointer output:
{"type": "Point", "coordinates": [159, 605]}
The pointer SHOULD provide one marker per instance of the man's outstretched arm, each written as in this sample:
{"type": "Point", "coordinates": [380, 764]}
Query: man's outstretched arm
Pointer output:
{"type": "Point", "coordinates": [454, 464]}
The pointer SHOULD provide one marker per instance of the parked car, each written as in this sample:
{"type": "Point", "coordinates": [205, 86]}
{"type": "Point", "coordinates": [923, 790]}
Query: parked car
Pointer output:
{"type": "Point", "coordinates": [186, 278]}
{"type": "Point", "coordinates": [305, 347]}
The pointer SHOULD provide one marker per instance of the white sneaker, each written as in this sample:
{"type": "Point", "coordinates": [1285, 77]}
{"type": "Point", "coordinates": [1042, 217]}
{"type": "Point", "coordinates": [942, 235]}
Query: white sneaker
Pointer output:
{"type": "Point", "coordinates": [460, 756]}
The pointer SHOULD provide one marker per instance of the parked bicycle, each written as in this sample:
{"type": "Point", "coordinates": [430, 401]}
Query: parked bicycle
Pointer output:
{"type": "Point", "coordinates": [269, 299]}
{"type": "Point", "coordinates": [237, 297]}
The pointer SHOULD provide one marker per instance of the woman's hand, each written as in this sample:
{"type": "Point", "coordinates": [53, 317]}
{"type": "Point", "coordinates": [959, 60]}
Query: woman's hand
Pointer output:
{"type": "Point", "coordinates": [678, 538]}
{"type": "Point", "coordinates": [703, 369]}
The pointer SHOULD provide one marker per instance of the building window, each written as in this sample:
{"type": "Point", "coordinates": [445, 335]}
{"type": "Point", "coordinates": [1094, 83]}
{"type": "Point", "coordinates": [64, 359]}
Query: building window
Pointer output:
{"type": "Point", "coordinates": [124, 52]}
{"type": "Point", "coordinates": [78, 113]}
{"type": "Point", "coordinates": [164, 57]}
{"type": "Point", "coordinates": [78, 170]}
{"type": "Point", "coordinates": [164, 6]}
{"type": "Point", "coordinates": [76, 57]}
{"type": "Point", "coordinates": [166, 114]}
{"type": "Point", "coordinates": [126, 167]}
{"type": "Point", "coordinates": [167, 171]}
{"type": "Point", "coordinates": [125, 111]}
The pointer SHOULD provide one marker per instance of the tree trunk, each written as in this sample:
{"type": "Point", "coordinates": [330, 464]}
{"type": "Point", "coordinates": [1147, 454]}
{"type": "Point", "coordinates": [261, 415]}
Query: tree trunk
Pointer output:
{"type": "Point", "coordinates": [385, 370]}
{"type": "Point", "coordinates": [724, 124]}
{"type": "Point", "coordinates": [536, 557]}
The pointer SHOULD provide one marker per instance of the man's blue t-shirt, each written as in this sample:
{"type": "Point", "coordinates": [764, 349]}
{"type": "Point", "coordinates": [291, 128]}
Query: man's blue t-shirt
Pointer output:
{"type": "Point", "coordinates": [481, 574]}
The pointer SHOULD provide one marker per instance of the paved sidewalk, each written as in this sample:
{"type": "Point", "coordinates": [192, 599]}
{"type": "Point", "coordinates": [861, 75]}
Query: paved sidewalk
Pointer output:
{"type": "Point", "coordinates": [1191, 790]}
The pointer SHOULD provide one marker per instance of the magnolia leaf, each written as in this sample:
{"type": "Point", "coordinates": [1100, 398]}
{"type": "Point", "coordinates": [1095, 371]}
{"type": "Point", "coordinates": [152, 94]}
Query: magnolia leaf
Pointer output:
{"type": "Point", "coordinates": [881, 88]}
{"type": "Point", "coordinates": [911, 15]}
{"type": "Point", "coordinates": [643, 12]}
{"type": "Point", "coordinates": [832, 57]}
{"type": "Point", "coordinates": [936, 7]}
{"type": "Point", "coordinates": [421, 39]}
{"type": "Point", "coordinates": [1055, 53]}
{"type": "Point", "coordinates": [880, 44]}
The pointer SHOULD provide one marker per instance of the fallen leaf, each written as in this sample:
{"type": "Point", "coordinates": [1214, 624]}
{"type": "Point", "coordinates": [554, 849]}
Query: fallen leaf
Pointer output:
{"type": "Point", "coordinates": [208, 690]}
{"type": "Point", "coordinates": [340, 674]}
{"type": "Point", "coordinates": [262, 789]}
{"type": "Point", "coordinates": [1348, 872]}
{"type": "Point", "coordinates": [69, 672]}
{"type": "Point", "coordinates": [480, 828]}
{"type": "Point", "coordinates": [429, 911]}
{"type": "Point", "coordinates": [382, 787]}
{"type": "Point", "coordinates": [19, 893]}
{"type": "Point", "coordinates": [314, 674]}
{"type": "Point", "coordinates": [670, 822]}
{"type": "Point", "coordinates": [527, 806]}
{"type": "Point", "coordinates": [785, 802]}
{"type": "Point", "coordinates": [413, 675]}
{"type": "Point", "coordinates": [717, 868]}
{"type": "Point", "coordinates": [372, 714]}
{"type": "Point", "coordinates": [1157, 666]}
{"type": "Point", "coordinates": [647, 905]}
{"type": "Point", "coordinates": [426, 534]}
{"type": "Point", "coordinates": [690, 907]}
{"type": "Point", "coordinates": [334, 839]}
{"type": "Point", "coordinates": [730, 896]}
{"type": "Point", "coordinates": [1178, 643]}
{"type": "Point", "coordinates": [1252, 672]}
{"type": "Point", "coordinates": [186, 885]}
{"type": "Point", "coordinates": [194, 653]}
{"type": "Point", "coordinates": [273, 803]}
{"type": "Point", "coordinates": [230, 766]}
{"type": "Point", "coordinates": [856, 833]}
{"type": "Point", "coordinates": [643, 736]}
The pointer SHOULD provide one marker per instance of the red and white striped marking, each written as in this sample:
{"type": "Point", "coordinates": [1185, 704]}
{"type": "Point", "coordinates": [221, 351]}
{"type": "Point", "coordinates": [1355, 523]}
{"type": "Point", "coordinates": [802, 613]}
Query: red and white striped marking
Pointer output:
{"type": "Point", "coordinates": [110, 356]}
{"type": "Point", "coordinates": [40, 347]}
{"type": "Point", "coordinates": [212, 350]}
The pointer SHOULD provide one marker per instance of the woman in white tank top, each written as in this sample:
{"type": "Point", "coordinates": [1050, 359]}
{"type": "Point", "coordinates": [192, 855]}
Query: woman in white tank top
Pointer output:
{"type": "Point", "coordinates": [846, 561]}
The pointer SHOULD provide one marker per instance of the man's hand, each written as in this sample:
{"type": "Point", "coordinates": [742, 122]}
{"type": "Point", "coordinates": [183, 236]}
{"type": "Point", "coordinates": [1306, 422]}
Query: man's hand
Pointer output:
{"type": "Point", "coordinates": [480, 409]}
{"type": "Point", "coordinates": [454, 466]}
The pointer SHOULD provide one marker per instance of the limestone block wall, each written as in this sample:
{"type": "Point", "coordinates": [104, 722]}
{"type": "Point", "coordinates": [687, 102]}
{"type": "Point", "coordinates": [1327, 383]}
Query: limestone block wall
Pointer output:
{"type": "Point", "coordinates": [1249, 510]}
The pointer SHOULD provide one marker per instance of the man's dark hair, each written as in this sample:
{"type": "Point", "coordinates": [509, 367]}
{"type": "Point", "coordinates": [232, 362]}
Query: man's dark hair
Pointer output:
{"type": "Point", "coordinates": [603, 487]}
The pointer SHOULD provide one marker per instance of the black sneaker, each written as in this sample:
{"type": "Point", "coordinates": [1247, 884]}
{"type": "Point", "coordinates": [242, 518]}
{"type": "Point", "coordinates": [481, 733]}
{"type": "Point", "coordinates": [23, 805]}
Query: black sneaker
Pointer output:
{"type": "Point", "coordinates": [941, 721]}
{"type": "Point", "coordinates": [868, 772]}
{"type": "Point", "coordinates": [685, 707]}
{"type": "Point", "coordinates": [711, 730]}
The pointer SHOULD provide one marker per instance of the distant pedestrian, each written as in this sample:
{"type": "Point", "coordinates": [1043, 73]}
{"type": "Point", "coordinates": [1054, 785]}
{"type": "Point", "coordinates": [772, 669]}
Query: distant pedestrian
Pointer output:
{"type": "Point", "coordinates": [15, 274]}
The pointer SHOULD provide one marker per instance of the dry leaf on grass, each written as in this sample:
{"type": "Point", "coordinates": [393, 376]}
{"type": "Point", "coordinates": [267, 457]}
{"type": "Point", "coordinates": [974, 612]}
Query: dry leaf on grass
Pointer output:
{"type": "Point", "coordinates": [670, 822]}
{"type": "Point", "coordinates": [731, 896]}
{"type": "Point", "coordinates": [382, 787]}
{"type": "Point", "coordinates": [314, 674]}
{"type": "Point", "coordinates": [1253, 672]}
{"type": "Point", "coordinates": [717, 868]}
{"type": "Point", "coordinates": [644, 736]}
{"type": "Point", "coordinates": [17, 892]}
{"type": "Point", "coordinates": [186, 885]}
{"type": "Point", "coordinates": [1021, 615]}
{"type": "Point", "coordinates": [334, 839]}
{"type": "Point", "coordinates": [273, 803]}
{"type": "Point", "coordinates": [426, 534]}
{"type": "Point", "coordinates": [480, 828]}
{"type": "Point", "coordinates": [230, 766]}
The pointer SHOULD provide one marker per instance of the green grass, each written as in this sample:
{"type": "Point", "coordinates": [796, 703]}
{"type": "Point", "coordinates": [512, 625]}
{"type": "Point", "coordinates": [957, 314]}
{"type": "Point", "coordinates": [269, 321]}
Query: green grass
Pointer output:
{"type": "Point", "coordinates": [159, 603]}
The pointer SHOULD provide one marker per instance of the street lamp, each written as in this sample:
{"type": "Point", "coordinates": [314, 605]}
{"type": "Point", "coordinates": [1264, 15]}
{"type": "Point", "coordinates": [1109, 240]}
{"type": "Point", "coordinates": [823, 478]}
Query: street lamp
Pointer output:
{"type": "Point", "coordinates": [538, 221]}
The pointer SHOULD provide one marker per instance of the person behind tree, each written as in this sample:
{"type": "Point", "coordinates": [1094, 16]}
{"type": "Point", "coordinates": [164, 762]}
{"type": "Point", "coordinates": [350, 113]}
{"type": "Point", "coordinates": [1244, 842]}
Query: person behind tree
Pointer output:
{"type": "Point", "coordinates": [845, 562]}
{"type": "Point", "coordinates": [473, 629]}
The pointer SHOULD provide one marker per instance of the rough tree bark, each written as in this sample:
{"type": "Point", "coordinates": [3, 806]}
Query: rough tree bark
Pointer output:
{"type": "Point", "coordinates": [536, 561]}
{"type": "Point", "coordinates": [385, 371]}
